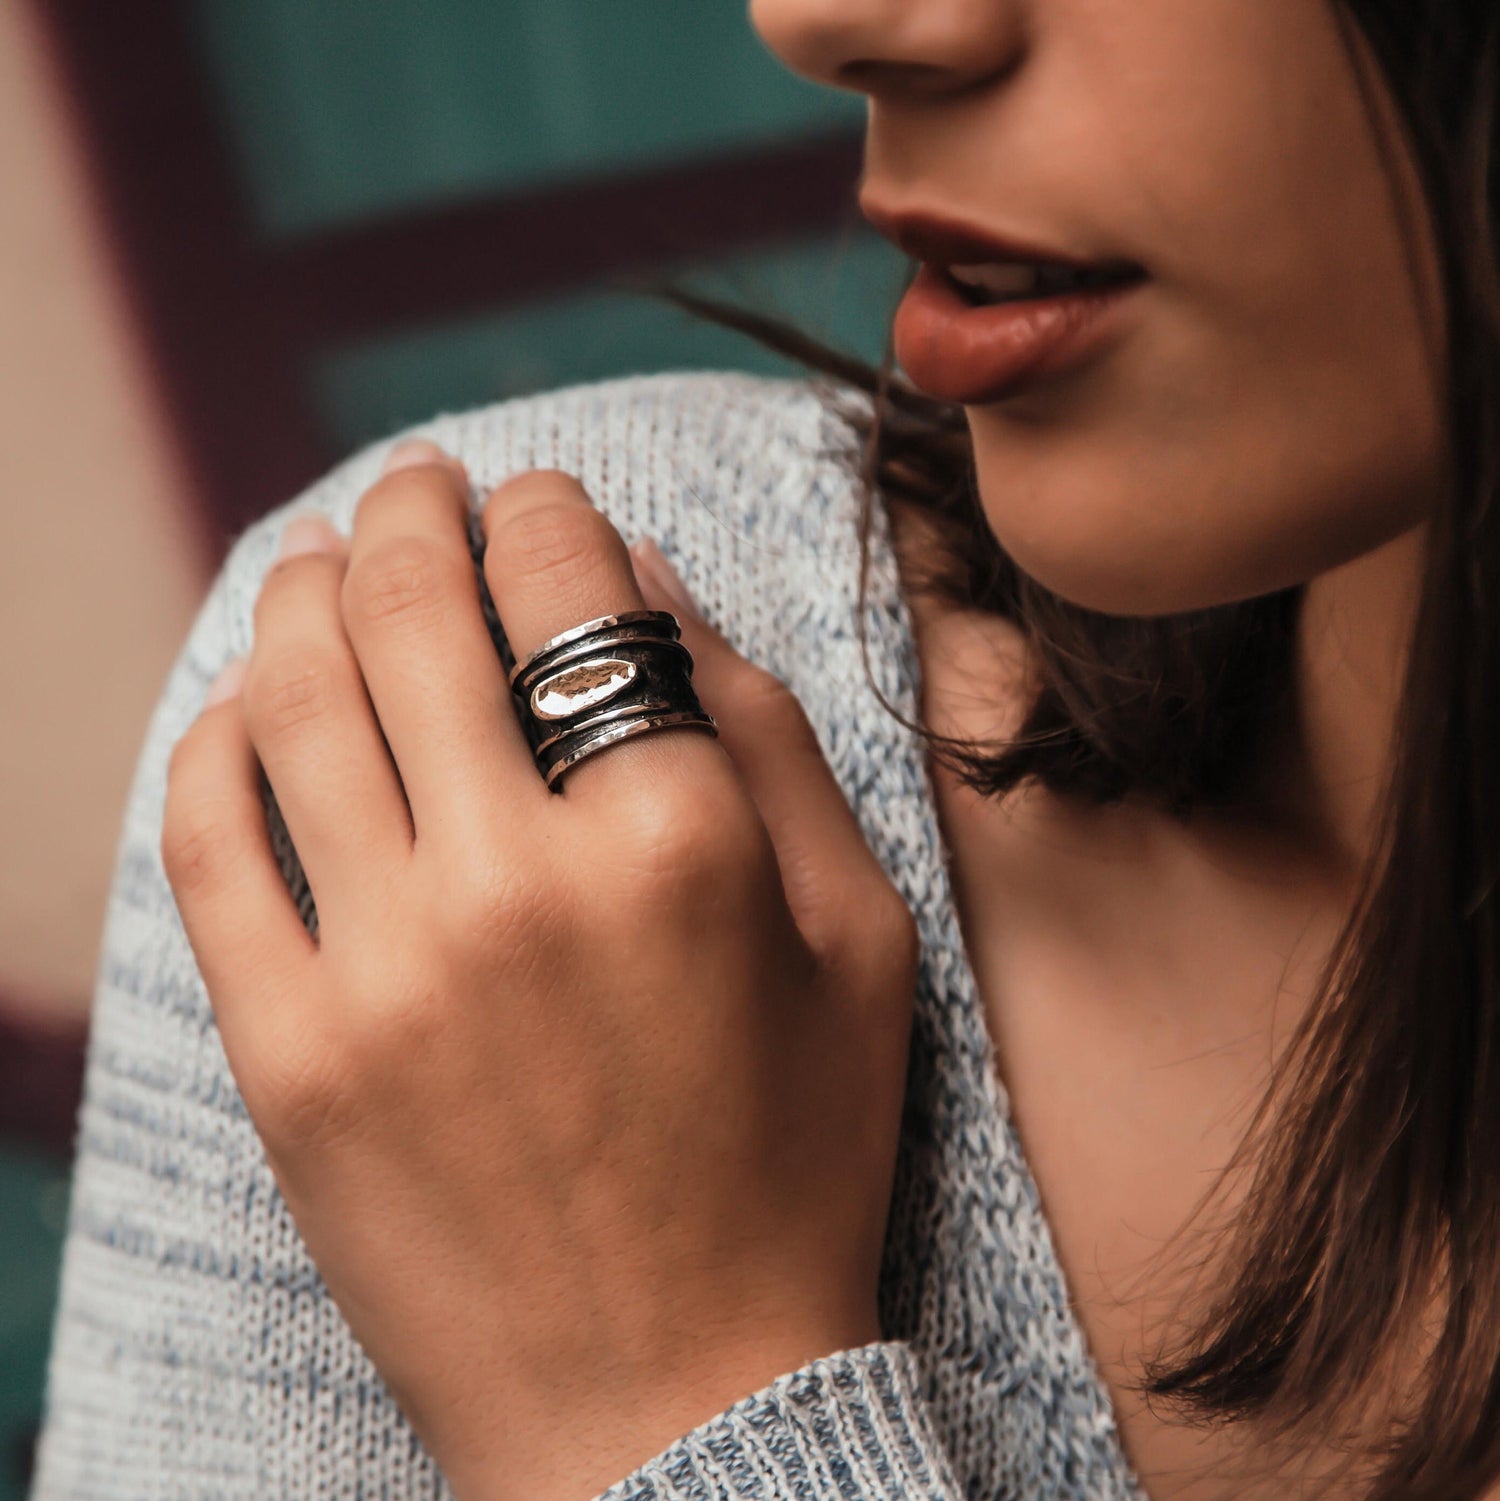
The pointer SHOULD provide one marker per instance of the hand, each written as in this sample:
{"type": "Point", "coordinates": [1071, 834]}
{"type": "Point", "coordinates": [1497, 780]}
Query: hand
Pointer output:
{"type": "Point", "coordinates": [586, 1104]}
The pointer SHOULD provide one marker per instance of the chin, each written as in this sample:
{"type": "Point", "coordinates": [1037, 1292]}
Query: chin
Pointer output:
{"type": "Point", "coordinates": [1099, 537]}
{"type": "Point", "coordinates": [1116, 553]}
{"type": "Point", "coordinates": [1112, 586]}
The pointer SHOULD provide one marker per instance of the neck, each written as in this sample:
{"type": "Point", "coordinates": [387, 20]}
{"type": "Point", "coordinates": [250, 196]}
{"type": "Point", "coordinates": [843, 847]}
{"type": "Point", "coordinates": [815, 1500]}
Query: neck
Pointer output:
{"type": "Point", "coordinates": [1331, 761]}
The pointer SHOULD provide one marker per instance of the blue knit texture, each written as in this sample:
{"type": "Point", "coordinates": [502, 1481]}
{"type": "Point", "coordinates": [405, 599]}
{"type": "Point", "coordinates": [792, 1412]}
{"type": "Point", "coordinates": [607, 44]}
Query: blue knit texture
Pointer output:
{"type": "Point", "coordinates": [197, 1352]}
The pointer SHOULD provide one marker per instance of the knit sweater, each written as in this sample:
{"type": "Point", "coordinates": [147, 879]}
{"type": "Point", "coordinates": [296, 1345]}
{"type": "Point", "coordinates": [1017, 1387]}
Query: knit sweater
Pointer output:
{"type": "Point", "coordinates": [197, 1351]}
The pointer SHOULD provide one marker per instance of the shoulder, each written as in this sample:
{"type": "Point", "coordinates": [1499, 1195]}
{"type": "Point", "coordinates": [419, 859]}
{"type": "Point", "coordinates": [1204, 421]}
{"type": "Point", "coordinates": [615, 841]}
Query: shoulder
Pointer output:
{"type": "Point", "coordinates": [677, 456]}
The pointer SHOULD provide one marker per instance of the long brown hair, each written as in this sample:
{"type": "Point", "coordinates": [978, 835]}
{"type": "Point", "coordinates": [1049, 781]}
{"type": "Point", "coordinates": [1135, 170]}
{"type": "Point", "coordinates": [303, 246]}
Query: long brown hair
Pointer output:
{"type": "Point", "coordinates": [1377, 1184]}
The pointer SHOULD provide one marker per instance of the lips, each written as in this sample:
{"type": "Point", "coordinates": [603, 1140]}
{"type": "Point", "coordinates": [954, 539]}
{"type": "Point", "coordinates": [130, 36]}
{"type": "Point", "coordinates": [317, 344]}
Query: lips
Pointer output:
{"type": "Point", "coordinates": [942, 241]}
{"type": "Point", "coordinates": [961, 346]}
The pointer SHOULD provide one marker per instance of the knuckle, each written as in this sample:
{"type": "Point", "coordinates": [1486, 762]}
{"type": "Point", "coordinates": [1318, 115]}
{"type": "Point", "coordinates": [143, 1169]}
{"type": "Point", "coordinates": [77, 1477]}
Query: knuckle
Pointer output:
{"type": "Point", "coordinates": [292, 689]}
{"type": "Point", "coordinates": [550, 539]}
{"type": "Point", "coordinates": [693, 843]}
{"type": "Point", "coordinates": [403, 578]}
{"type": "Point", "coordinates": [533, 487]}
{"type": "Point", "coordinates": [414, 486]}
{"type": "Point", "coordinates": [758, 686]}
{"type": "Point", "coordinates": [198, 845]}
{"type": "Point", "coordinates": [388, 1024]}
{"type": "Point", "coordinates": [410, 483]}
{"type": "Point", "coordinates": [888, 932]}
{"type": "Point", "coordinates": [302, 1088]}
{"type": "Point", "coordinates": [485, 900]}
{"type": "Point", "coordinates": [478, 899]}
{"type": "Point", "coordinates": [184, 750]}
{"type": "Point", "coordinates": [289, 577]}
{"type": "Point", "coordinates": [670, 837]}
{"type": "Point", "coordinates": [899, 925]}
{"type": "Point", "coordinates": [761, 695]}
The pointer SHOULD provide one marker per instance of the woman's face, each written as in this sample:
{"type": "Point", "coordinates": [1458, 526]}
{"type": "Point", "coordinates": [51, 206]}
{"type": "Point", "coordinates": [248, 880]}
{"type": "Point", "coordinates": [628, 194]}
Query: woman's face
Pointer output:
{"type": "Point", "coordinates": [1268, 402]}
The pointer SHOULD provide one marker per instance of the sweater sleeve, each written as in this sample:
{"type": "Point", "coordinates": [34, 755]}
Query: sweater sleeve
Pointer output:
{"type": "Point", "coordinates": [196, 1350]}
{"type": "Point", "coordinates": [853, 1426]}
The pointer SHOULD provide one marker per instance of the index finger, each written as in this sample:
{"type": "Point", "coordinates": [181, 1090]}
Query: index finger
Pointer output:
{"type": "Point", "coordinates": [251, 945]}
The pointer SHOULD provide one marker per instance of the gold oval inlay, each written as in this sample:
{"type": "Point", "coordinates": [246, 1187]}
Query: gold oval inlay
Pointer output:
{"type": "Point", "coordinates": [582, 687]}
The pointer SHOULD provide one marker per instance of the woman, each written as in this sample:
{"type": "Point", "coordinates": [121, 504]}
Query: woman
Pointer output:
{"type": "Point", "coordinates": [664, 1137]}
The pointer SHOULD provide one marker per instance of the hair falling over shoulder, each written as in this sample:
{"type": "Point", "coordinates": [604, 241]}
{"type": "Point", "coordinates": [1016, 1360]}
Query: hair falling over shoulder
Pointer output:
{"type": "Point", "coordinates": [1369, 1238]}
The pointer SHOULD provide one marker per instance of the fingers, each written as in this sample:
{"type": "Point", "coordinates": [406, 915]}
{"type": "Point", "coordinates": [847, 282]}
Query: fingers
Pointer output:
{"type": "Point", "coordinates": [554, 561]}
{"type": "Point", "coordinates": [827, 869]}
{"type": "Point", "coordinates": [251, 946]}
{"type": "Point", "coordinates": [412, 608]}
{"type": "Point", "coordinates": [310, 721]}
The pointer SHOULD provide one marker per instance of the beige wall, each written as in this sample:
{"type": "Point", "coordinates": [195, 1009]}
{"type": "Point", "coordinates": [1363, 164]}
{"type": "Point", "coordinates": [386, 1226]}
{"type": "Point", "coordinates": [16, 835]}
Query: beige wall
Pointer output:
{"type": "Point", "coordinates": [99, 559]}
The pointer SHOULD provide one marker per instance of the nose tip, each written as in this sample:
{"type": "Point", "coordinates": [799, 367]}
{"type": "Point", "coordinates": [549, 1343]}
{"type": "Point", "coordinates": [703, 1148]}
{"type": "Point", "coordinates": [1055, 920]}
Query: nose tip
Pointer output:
{"type": "Point", "coordinates": [895, 48]}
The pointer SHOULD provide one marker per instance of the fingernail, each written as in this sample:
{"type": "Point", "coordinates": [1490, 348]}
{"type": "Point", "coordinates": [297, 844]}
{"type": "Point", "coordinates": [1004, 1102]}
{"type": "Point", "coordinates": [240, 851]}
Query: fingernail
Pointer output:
{"type": "Point", "coordinates": [227, 683]}
{"type": "Point", "coordinates": [666, 577]}
{"type": "Point", "coordinates": [410, 452]}
{"type": "Point", "coordinates": [308, 533]}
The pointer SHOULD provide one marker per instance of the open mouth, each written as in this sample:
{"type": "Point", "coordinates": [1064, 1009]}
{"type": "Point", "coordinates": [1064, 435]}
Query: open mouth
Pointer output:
{"type": "Point", "coordinates": [991, 313]}
{"type": "Point", "coordinates": [982, 285]}
{"type": "Point", "coordinates": [973, 341]}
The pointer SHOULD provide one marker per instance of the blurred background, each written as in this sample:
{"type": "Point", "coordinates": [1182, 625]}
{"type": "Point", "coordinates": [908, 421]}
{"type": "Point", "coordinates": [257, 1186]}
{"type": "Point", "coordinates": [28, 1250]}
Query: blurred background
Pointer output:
{"type": "Point", "coordinates": [239, 238]}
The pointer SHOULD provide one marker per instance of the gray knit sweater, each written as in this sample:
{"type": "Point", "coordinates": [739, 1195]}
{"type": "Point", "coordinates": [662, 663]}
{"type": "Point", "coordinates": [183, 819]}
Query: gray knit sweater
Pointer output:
{"type": "Point", "coordinates": [197, 1352]}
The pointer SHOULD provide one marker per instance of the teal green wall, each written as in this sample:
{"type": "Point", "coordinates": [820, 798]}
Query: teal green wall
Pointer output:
{"type": "Point", "coordinates": [832, 289]}
{"type": "Point", "coordinates": [341, 109]}
{"type": "Point", "coordinates": [33, 1213]}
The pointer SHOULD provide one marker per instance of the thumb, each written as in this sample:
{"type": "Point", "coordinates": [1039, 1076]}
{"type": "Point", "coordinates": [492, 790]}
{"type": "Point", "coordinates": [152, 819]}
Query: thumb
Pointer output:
{"type": "Point", "coordinates": [828, 871]}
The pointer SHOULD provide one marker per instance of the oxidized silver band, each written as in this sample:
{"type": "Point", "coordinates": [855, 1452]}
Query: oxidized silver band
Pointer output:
{"type": "Point", "coordinates": [604, 681]}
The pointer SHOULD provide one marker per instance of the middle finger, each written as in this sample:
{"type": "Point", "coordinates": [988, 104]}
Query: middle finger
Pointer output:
{"type": "Point", "coordinates": [412, 607]}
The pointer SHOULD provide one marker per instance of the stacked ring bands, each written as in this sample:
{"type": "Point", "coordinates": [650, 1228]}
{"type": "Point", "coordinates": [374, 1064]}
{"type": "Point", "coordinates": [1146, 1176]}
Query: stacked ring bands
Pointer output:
{"type": "Point", "coordinates": [602, 682]}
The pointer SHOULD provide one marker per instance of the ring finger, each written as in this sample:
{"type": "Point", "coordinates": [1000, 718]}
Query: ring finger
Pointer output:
{"type": "Point", "coordinates": [553, 561]}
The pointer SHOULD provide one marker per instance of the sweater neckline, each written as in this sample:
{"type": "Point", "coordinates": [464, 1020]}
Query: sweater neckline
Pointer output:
{"type": "Point", "coordinates": [956, 1031]}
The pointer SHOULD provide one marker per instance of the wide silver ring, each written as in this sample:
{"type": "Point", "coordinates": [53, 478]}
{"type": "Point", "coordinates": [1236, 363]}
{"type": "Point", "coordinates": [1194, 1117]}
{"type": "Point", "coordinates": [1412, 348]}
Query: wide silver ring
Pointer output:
{"type": "Point", "coordinates": [607, 680]}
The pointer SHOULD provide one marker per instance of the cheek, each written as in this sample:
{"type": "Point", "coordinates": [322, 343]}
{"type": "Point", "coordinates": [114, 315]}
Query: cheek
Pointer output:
{"type": "Point", "coordinates": [1274, 405]}
{"type": "Point", "coordinates": [1217, 455]}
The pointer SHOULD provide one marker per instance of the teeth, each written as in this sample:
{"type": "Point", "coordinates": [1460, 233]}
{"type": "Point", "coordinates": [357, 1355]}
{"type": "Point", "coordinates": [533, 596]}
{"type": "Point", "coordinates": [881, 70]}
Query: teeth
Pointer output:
{"type": "Point", "coordinates": [1003, 280]}
{"type": "Point", "coordinates": [1000, 281]}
